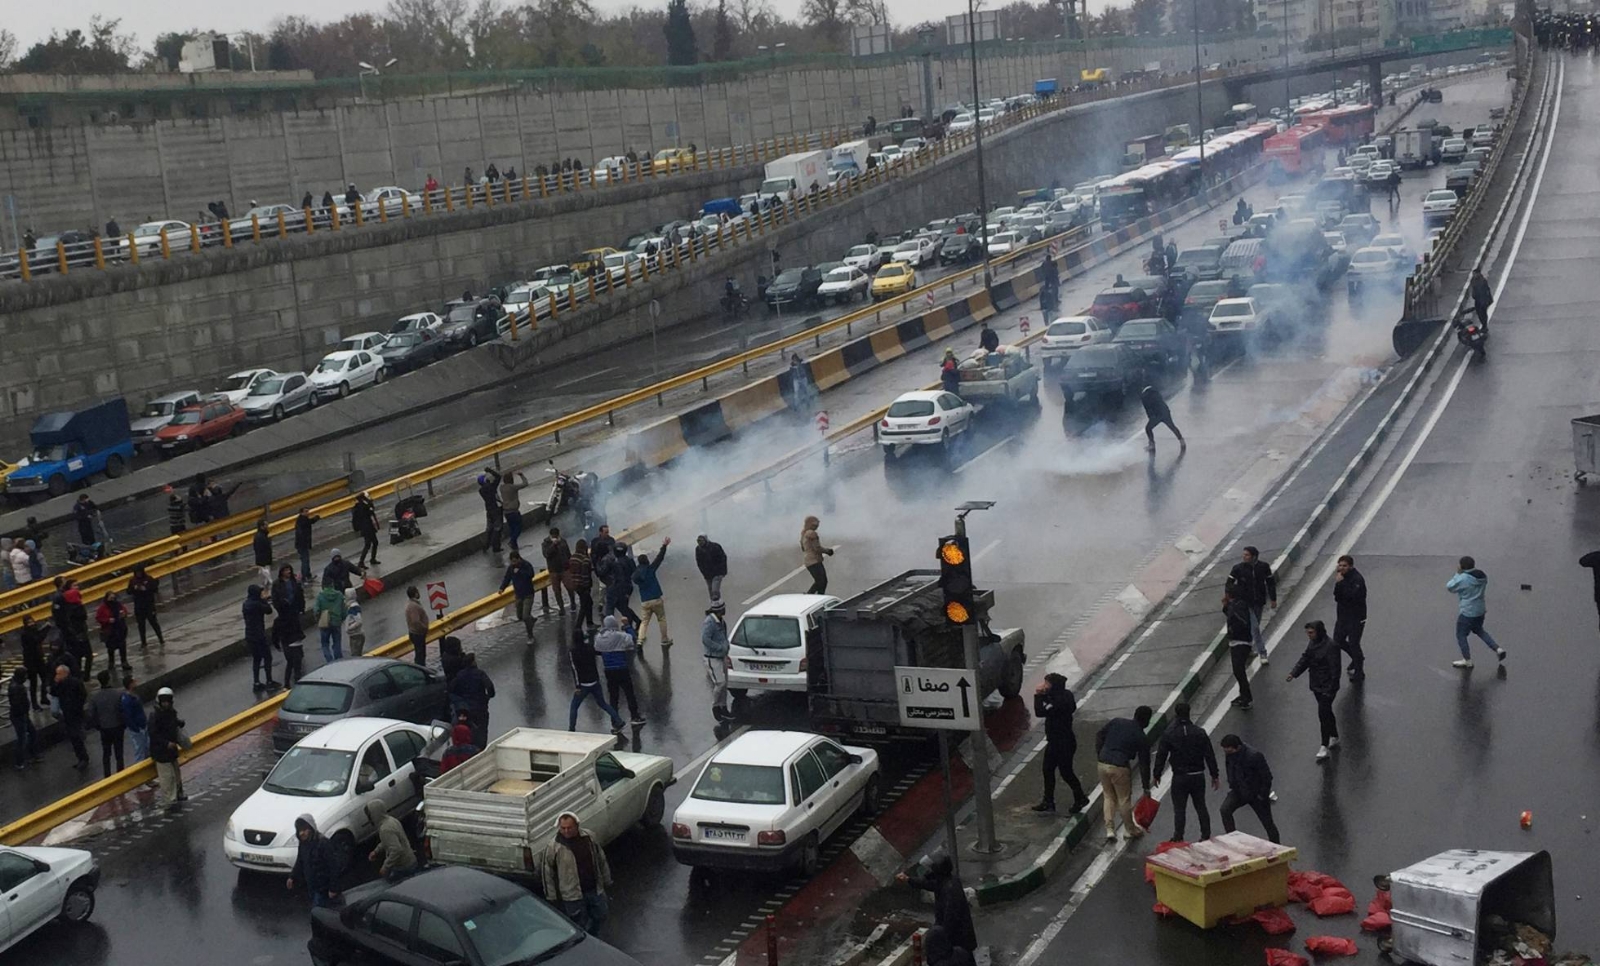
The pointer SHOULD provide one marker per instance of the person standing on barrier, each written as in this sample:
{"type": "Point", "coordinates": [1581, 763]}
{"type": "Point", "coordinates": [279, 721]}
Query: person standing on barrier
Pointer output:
{"type": "Point", "coordinates": [1482, 297]}
{"type": "Point", "coordinates": [489, 492]}
{"type": "Point", "coordinates": [143, 590]}
{"type": "Point", "coordinates": [105, 716]}
{"type": "Point", "coordinates": [511, 505]}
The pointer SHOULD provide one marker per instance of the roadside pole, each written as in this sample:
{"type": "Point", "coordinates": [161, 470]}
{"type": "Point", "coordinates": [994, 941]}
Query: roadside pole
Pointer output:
{"type": "Point", "coordinates": [982, 793]}
{"type": "Point", "coordinates": [951, 845]}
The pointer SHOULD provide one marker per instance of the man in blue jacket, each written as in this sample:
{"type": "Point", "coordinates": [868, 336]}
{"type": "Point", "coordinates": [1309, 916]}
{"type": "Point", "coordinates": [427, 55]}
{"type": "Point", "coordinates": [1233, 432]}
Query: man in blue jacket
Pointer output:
{"type": "Point", "coordinates": [519, 577]}
{"type": "Point", "coordinates": [1469, 585]}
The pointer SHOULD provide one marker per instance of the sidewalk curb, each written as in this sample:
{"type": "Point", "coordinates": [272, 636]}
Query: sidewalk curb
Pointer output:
{"type": "Point", "coordinates": [1055, 854]}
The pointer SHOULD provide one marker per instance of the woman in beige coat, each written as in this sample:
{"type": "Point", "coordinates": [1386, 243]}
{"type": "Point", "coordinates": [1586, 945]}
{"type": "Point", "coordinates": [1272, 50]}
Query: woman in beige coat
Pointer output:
{"type": "Point", "coordinates": [812, 551]}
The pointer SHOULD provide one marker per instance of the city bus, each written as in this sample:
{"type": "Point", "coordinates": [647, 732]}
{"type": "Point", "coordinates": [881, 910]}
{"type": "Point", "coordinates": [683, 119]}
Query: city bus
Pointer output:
{"type": "Point", "coordinates": [1295, 151]}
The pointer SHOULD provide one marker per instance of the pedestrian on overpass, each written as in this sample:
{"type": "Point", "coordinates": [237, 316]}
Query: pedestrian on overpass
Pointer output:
{"type": "Point", "coordinates": [511, 505]}
{"type": "Point", "coordinates": [712, 562]}
{"type": "Point", "coordinates": [261, 550]}
{"type": "Point", "coordinates": [302, 541]}
{"type": "Point", "coordinates": [84, 512]}
{"type": "Point", "coordinates": [288, 603]}
{"type": "Point", "coordinates": [112, 616]}
{"type": "Point", "coordinates": [1249, 783]}
{"type": "Point", "coordinates": [811, 553]}
{"type": "Point", "coordinates": [364, 520]}
{"type": "Point", "coordinates": [1119, 743]}
{"type": "Point", "coordinates": [1054, 703]}
{"type": "Point", "coordinates": [1188, 747]}
{"type": "Point", "coordinates": [105, 716]}
{"type": "Point", "coordinates": [1157, 413]}
{"type": "Point", "coordinates": [489, 492]}
{"type": "Point", "coordinates": [1350, 614]}
{"type": "Point", "coordinates": [651, 598]}
{"type": "Point", "coordinates": [255, 610]}
{"type": "Point", "coordinates": [556, 554]}
{"type": "Point", "coordinates": [71, 699]}
{"type": "Point", "coordinates": [143, 590]}
{"type": "Point", "coordinates": [1252, 581]}
{"type": "Point", "coordinates": [1321, 659]}
{"type": "Point", "coordinates": [1469, 585]}
{"type": "Point", "coordinates": [519, 577]}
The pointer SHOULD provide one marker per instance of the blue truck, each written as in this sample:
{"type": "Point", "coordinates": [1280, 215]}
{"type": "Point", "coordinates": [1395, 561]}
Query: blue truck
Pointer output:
{"type": "Point", "coordinates": [69, 448]}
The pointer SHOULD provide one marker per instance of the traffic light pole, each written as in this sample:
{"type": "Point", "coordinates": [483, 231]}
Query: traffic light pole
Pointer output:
{"type": "Point", "coordinates": [982, 790]}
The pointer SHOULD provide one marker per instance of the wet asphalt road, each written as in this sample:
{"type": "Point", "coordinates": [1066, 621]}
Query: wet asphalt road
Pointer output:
{"type": "Point", "coordinates": [1432, 757]}
{"type": "Point", "coordinates": [1080, 506]}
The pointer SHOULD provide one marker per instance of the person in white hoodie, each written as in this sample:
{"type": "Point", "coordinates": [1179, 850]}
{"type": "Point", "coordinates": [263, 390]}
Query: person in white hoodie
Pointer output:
{"type": "Point", "coordinates": [20, 571]}
{"type": "Point", "coordinates": [354, 636]}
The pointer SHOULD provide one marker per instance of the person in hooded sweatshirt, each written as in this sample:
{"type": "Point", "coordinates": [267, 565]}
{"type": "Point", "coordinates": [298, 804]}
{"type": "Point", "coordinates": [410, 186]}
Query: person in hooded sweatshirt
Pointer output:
{"type": "Point", "coordinates": [329, 608]}
{"type": "Point", "coordinates": [937, 950]}
{"type": "Point", "coordinates": [461, 748]}
{"type": "Point", "coordinates": [586, 680]}
{"type": "Point", "coordinates": [255, 611]}
{"type": "Point", "coordinates": [615, 647]}
{"type": "Point", "coordinates": [1469, 585]}
{"type": "Point", "coordinates": [1157, 413]}
{"type": "Point", "coordinates": [1321, 659]}
{"type": "Point", "coordinates": [619, 571]}
{"type": "Point", "coordinates": [394, 855]}
{"type": "Point", "coordinates": [316, 866]}
{"type": "Point", "coordinates": [950, 908]}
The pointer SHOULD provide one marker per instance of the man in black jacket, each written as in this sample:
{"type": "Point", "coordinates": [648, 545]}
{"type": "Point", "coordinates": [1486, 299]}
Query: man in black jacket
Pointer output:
{"type": "Point", "coordinates": [1350, 614]}
{"type": "Point", "coordinates": [1591, 560]}
{"type": "Point", "coordinates": [950, 908]}
{"type": "Point", "coordinates": [556, 554]}
{"type": "Point", "coordinates": [1482, 297]}
{"type": "Point", "coordinates": [166, 740]}
{"type": "Point", "coordinates": [1252, 581]}
{"type": "Point", "coordinates": [72, 697]}
{"type": "Point", "coordinates": [712, 561]}
{"type": "Point", "coordinates": [1157, 413]}
{"type": "Point", "coordinates": [316, 865]}
{"type": "Point", "coordinates": [1239, 637]}
{"type": "Point", "coordinates": [1117, 745]}
{"type": "Point", "coordinates": [1189, 748]}
{"type": "Point", "coordinates": [255, 611]}
{"type": "Point", "coordinates": [364, 520]}
{"type": "Point", "coordinates": [489, 492]}
{"type": "Point", "coordinates": [1055, 703]}
{"type": "Point", "coordinates": [302, 541]}
{"type": "Point", "coordinates": [1321, 658]}
{"type": "Point", "coordinates": [1249, 783]}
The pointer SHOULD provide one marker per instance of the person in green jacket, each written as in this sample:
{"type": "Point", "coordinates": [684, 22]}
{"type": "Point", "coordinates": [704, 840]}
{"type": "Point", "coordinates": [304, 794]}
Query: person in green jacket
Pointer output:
{"type": "Point", "coordinates": [394, 853]}
{"type": "Point", "coordinates": [330, 609]}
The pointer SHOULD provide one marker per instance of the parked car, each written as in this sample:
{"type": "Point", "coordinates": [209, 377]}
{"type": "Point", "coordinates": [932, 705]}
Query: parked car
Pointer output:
{"type": "Point", "coordinates": [371, 687]}
{"type": "Point", "coordinates": [147, 237]}
{"type": "Point", "coordinates": [410, 350]}
{"type": "Point", "coordinates": [470, 322]}
{"type": "Point", "coordinates": [278, 396]}
{"type": "Point", "coordinates": [417, 321]}
{"type": "Point", "coordinates": [844, 283]}
{"type": "Point", "coordinates": [363, 342]}
{"type": "Point", "coordinates": [452, 916]}
{"type": "Point", "coordinates": [209, 422]}
{"type": "Point", "coordinates": [330, 774]}
{"type": "Point", "coordinates": [237, 386]}
{"type": "Point", "coordinates": [794, 288]}
{"type": "Point", "coordinates": [767, 647]}
{"type": "Point", "coordinates": [1069, 334]}
{"type": "Point", "coordinates": [769, 799]}
{"type": "Point", "coordinates": [41, 885]}
{"type": "Point", "coordinates": [158, 413]}
{"type": "Point", "coordinates": [342, 373]}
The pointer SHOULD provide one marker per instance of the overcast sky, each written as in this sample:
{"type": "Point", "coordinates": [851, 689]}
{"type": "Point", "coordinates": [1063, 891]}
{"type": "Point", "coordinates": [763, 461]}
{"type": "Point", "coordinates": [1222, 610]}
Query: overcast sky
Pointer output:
{"type": "Point", "coordinates": [32, 20]}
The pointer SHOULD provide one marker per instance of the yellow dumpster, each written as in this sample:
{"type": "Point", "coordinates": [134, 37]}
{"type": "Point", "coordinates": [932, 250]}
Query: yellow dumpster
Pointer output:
{"type": "Point", "coordinates": [1233, 874]}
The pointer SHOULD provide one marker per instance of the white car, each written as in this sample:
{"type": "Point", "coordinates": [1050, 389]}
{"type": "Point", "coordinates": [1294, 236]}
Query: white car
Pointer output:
{"type": "Point", "coordinates": [342, 373]}
{"type": "Point", "coordinates": [924, 418]}
{"type": "Point", "coordinates": [608, 168]}
{"type": "Point", "coordinates": [426, 321]}
{"type": "Point", "coordinates": [767, 648]}
{"type": "Point", "coordinates": [1440, 202]}
{"type": "Point", "coordinates": [331, 775]}
{"type": "Point", "coordinates": [913, 145]}
{"type": "Point", "coordinates": [1004, 243]}
{"type": "Point", "coordinates": [1068, 334]}
{"type": "Point", "coordinates": [987, 116]}
{"type": "Point", "coordinates": [1395, 244]}
{"type": "Point", "coordinates": [868, 258]}
{"type": "Point", "coordinates": [621, 265]}
{"type": "Point", "coordinates": [1236, 315]}
{"type": "Point", "coordinates": [961, 122]}
{"type": "Point", "coordinates": [1336, 241]}
{"type": "Point", "coordinates": [393, 201]}
{"type": "Point", "coordinates": [769, 799]}
{"type": "Point", "coordinates": [915, 252]}
{"type": "Point", "coordinates": [845, 283]}
{"type": "Point", "coordinates": [148, 237]}
{"type": "Point", "coordinates": [1373, 264]}
{"type": "Point", "coordinates": [277, 396]}
{"type": "Point", "coordinates": [237, 386]}
{"type": "Point", "coordinates": [363, 342]}
{"type": "Point", "coordinates": [38, 885]}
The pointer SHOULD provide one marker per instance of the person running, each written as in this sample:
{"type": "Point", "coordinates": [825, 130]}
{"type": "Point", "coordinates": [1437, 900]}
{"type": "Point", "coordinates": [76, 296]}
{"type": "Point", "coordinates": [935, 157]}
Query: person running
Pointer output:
{"type": "Point", "coordinates": [1350, 614]}
{"type": "Point", "coordinates": [1119, 743]}
{"type": "Point", "coordinates": [1157, 413]}
{"type": "Point", "coordinates": [1321, 658]}
{"type": "Point", "coordinates": [1249, 783]}
{"type": "Point", "coordinates": [1252, 581]}
{"type": "Point", "coordinates": [652, 601]}
{"type": "Point", "coordinates": [519, 577]}
{"type": "Point", "coordinates": [586, 680]}
{"type": "Point", "coordinates": [1469, 585]}
{"type": "Point", "coordinates": [1188, 746]}
{"type": "Point", "coordinates": [712, 562]}
{"type": "Point", "coordinates": [1239, 646]}
{"type": "Point", "coordinates": [811, 553]}
{"type": "Point", "coordinates": [1054, 703]}
{"type": "Point", "coordinates": [714, 642]}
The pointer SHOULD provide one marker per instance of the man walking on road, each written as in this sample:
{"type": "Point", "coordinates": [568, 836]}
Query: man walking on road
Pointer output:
{"type": "Point", "coordinates": [586, 680]}
{"type": "Point", "coordinates": [166, 740]}
{"type": "Point", "coordinates": [616, 647]}
{"type": "Point", "coordinates": [71, 698]}
{"type": "Point", "coordinates": [519, 577]}
{"type": "Point", "coordinates": [105, 716]}
{"type": "Point", "coordinates": [364, 520]}
{"type": "Point", "coordinates": [1469, 585]}
{"type": "Point", "coordinates": [1054, 702]}
{"type": "Point", "coordinates": [1252, 581]}
{"type": "Point", "coordinates": [417, 625]}
{"type": "Point", "coordinates": [1321, 658]}
{"type": "Point", "coordinates": [651, 599]}
{"type": "Point", "coordinates": [1239, 646]}
{"type": "Point", "coordinates": [575, 874]}
{"type": "Point", "coordinates": [1249, 783]}
{"type": "Point", "coordinates": [143, 590]}
{"type": "Point", "coordinates": [812, 551]}
{"type": "Point", "coordinates": [1117, 746]}
{"type": "Point", "coordinates": [714, 642]}
{"type": "Point", "coordinates": [1482, 297]}
{"type": "Point", "coordinates": [1189, 748]}
{"type": "Point", "coordinates": [712, 562]}
{"type": "Point", "coordinates": [556, 554]}
{"type": "Point", "coordinates": [1350, 614]}
{"type": "Point", "coordinates": [1157, 413]}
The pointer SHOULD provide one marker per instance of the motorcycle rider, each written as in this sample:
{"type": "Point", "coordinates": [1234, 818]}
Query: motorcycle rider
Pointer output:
{"type": "Point", "coordinates": [1482, 298]}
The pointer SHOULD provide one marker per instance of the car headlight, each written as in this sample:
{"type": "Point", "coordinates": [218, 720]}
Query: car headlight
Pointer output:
{"type": "Point", "coordinates": [183, 438]}
{"type": "Point", "coordinates": [231, 833]}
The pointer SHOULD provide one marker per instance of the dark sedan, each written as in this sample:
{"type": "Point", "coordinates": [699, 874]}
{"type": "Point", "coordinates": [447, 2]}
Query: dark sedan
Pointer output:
{"type": "Point", "coordinates": [1106, 370]}
{"type": "Point", "coordinates": [1155, 341]}
{"type": "Point", "coordinates": [794, 286]}
{"type": "Point", "coordinates": [959, 249]}
{"type": "Point", "coordinates": [452, 915]}
{"type": "Point", "coordinates": [372, 687]}
{"type": "Point", "coordinates": [406, 351]}
{"type": "Point", "coordinates": [470, 321]}
{"type": "Point", "coordinates": [1202, 297]}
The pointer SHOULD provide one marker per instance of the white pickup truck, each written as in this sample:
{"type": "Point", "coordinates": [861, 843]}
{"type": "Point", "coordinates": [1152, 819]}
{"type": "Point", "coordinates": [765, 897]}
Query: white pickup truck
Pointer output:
{"type": "Point", "coordinates": [1004, 376]}
{"type": "Point", "coordinates": [497, 810]}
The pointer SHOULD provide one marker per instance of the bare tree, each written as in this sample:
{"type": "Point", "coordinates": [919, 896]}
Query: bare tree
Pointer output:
{"type": "Point", "coordinates": [867, 11]}
{"type": "Point", "coordinates": [825, 16]}
{"type": "Point", "coordinates": [754, 16]}
{"type": "Point", "coordinates": [8, 49]}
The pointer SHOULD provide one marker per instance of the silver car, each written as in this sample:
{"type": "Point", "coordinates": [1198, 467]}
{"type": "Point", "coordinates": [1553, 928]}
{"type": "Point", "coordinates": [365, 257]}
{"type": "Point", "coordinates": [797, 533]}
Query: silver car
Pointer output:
{"type": "Point", "coordinates": [372, 687]}
{"type": "Point", "coordinates": [277, 396]}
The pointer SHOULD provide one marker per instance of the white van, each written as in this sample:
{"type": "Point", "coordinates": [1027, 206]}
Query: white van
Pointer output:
{"type": "Point", "coordinates": [767, 648]}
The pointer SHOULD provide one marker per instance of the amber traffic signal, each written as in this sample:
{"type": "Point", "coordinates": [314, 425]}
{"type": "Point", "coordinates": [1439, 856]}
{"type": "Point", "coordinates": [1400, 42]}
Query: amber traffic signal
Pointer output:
{"type": "Point", "coordinates": [955, 579]}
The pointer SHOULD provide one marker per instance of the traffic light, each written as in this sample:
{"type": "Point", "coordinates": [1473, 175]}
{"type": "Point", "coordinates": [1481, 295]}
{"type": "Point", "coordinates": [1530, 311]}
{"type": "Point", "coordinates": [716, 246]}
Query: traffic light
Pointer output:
{"type": "Point", "coordinates": [955, 579]}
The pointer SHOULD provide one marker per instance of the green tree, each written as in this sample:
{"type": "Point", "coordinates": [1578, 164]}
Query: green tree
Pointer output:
{"type": "Point", "coordinates": [826, 17]}
{"type": "Point", "coordinates": [679, 32]}
{"type": "Point", "coordinates": [101, 51]}
{"type": "Point", "coordinates": [722, 38]}
{"type": "Point", "coordinates": [1145, 16]}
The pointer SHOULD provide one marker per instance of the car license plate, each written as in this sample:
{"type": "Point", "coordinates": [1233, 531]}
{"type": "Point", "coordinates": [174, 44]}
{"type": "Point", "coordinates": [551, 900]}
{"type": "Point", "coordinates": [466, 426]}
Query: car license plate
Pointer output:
{"type": "Point", "coordinates": [255, 858]}
{"type": "Point", "coordinates": [765, 665]}
{"type": "Point", "coordinates": [870, 730]}
{"type": "Point", "coordinates": [723, 834]}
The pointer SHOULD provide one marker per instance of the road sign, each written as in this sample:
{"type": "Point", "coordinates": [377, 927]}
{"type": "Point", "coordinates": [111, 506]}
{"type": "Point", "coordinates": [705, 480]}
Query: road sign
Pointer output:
{"type": "Point", "coordinates": [939, 697]}
{"type": "Point", "coordinates": [822, 422]}
{"type": "Point", "coordinates": [929, 299]}
{"type": "Point", "coordinates": [1055, 249]}
{"type": "Point", "coordinates": [1024, 325]}
{"type": "Point", "coordinates": [438, 597]}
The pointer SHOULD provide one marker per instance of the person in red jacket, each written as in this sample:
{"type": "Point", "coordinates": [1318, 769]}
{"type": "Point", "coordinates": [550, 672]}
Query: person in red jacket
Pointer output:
{"type": "Point", "coordinates": [461, 748]}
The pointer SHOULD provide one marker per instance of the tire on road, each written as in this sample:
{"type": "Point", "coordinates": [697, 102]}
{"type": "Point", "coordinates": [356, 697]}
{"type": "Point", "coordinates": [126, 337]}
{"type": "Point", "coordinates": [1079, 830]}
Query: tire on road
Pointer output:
{"type": "Point", "coordinates": [655, 808]}
{"type": "Point", "coordinates": [1016, 670]}
{"type": "Point", "coordinates": [78, 904]}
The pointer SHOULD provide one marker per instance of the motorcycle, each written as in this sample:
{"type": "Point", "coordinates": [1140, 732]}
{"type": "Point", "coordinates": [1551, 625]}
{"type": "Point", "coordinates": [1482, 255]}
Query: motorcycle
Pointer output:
{"type": "Point", "coordinates": [1473, 336]}
{"type": "Point", "coordinates": [577, 495]}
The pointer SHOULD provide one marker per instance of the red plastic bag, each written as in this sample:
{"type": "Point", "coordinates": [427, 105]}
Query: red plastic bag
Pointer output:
{"type": "Point", "coordinates": [1303, 886]}
{"type": "Point", "coordinates": [373, 586]}
{"type": "Point", "coordinates": [1161, 909]}
{"type": "Point", "coordinates": [1275, 921]}
{"type": "Point", "coordinates": [1332, 902]}
{"type": "Point", "coordinates": [1282, 957]}
{"type": "Point", "coordinates": [1376, 922]}
{"type": "Point", "coordinates": [1149, 873]}
{"type": "Point", "coordinates": [1331, 946]}
{"type": "Point", "coordinates": [1380, 903]}
{"type": "Point", "coordinates": [1144, 811]}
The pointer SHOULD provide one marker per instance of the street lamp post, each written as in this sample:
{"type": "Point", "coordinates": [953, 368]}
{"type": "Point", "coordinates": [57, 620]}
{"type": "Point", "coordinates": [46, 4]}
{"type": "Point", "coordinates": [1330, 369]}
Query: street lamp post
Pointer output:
{"type": "Point", "coordinates": [249, 45]}
{"type": "Point", "coordinates": [367, 68]}
{"type": "Point", "coordinates": [977, 133]}
{"type": "Point", "coordinates": [1199, 99]}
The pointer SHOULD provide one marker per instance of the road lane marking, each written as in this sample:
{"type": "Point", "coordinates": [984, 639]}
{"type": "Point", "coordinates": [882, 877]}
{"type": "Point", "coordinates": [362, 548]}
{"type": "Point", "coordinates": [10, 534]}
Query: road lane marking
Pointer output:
{"type": "Point", "coordinates": [763, 592]}
{"type": "Point", "coordinates": [701, 758]}
{"type": "Point", "coordinates": [1001, 442]}
{"type": "Point", "coordinates": [985, 551]}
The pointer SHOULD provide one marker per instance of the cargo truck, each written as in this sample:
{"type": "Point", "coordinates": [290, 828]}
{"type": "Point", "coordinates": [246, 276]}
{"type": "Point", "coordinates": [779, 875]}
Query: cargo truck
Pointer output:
{"type": "Point", "coordinates": [791, 176]}
{"type": "Point", "coordinates": [1413, 148]}
{"type": "Point", "coordinates": [71, 447]}
{"type": "Point", "coordinates": [900, 622]}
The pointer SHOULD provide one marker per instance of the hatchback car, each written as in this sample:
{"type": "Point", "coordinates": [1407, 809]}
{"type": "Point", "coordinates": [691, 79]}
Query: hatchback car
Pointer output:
{"type": "Point", "coordinates": [363, 342]}
{"type": "Point", "coordinates": [768, 800]}
{"type": "Point", "coordinates": [160, 412]}
{"type": "Point", "coordinates": [278, 396]}
{"type": "Point", "coordinates": [925, 418]}
{"type": "Point", "coordinates": [411, 350]}
{"type": "Point", "coordinates": [237, 386]}
{"type": "Point", "coordinates": [471, 321]}
{"type": "Point", "coordinates": [1068, 334]}
{"type": "Point", "coordinates": [895, 278]}
{"type": "Point", "coordinates": [843, 284]}
{"type": "Point", "coordinates": [1155, 341]}
{"type": "Point", "coordinates": [793, 288]}
{"type": "Point", "coordinates": [40, 885]}
{"type": "Point", "coordinates": [1105, 370]}
{"type": "Point", "coordinates": [331, 775]}
{"type": "Point", "coordinates": [376, 687]}
{"type": "Point", "coordinates": [768, 646]}
{"type": "Point", "coordinates": [342, 373]}
{"type": "Point", "coordinates": [194, 427]}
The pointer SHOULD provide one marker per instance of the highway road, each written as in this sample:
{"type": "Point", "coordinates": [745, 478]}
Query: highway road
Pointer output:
{"type": "Point", "coordinates": [1080, 507]}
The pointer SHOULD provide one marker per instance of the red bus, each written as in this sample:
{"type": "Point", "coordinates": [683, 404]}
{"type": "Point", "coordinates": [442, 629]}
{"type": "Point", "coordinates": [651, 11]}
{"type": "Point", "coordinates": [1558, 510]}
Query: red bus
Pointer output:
{"type": "Point", "coordinates": [1346, 124]}
{"type": "Point", "coordinates": [1296, 150]}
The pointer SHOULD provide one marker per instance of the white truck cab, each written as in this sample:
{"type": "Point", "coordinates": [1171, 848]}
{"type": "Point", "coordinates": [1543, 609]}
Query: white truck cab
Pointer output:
{"type": "Point", "coordinates": [767, 647]}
